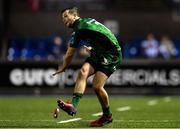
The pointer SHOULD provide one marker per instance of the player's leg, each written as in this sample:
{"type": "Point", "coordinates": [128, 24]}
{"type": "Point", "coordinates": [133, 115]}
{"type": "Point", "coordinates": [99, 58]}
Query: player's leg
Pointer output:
{"type": "Point", "coordinates": [98, 85]}
{"type": "Point", "coordinates": [80, 86]}
{"type": "Point", "coordinates": [85, 71]}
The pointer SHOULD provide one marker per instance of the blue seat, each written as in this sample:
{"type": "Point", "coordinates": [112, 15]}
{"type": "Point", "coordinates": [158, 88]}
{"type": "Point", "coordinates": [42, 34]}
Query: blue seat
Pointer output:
{"type": "Point", "coordinates": [14, 50]}
{"type": "Point", "coordinates": [132, 49]}
{"type": "Point", "coordinates": [177, 45]}
{"type": "Point", "coordinates": [28, 50]}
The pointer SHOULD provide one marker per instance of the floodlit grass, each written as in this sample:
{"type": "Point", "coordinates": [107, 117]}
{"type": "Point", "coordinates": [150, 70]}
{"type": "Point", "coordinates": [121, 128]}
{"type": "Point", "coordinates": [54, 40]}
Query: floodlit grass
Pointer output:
{"type": "Point", "coordinates": [36, 112]}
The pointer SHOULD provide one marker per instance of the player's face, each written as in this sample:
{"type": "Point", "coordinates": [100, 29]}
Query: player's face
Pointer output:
{"type": "Point", "coordinates": [68, 18]}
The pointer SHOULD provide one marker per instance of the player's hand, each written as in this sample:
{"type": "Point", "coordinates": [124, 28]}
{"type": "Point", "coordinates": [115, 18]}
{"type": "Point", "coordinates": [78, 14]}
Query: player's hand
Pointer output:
{"type": "Point", "coordinates": [58, 72]}
{"type": "Point", "coordinates": [88, 48]}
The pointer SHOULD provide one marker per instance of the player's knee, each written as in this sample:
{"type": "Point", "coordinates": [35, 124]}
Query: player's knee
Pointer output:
{"type": "Point", "coordinates": [96, 88]}
{"type": "Point", "coordinates": [83, 73]}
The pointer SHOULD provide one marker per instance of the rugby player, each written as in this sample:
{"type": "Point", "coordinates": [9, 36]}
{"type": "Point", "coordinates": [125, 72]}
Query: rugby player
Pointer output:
{"type": "Point", "coordinates": [105, 58]}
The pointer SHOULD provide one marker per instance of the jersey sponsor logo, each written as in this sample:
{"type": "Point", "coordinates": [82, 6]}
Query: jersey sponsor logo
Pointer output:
{"type": "Point", "coordinates": [114, 68]}
{"type": "Point", "coordinates": [105, 62]}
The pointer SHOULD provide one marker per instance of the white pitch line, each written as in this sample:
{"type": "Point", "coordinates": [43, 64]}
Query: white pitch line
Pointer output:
{"type": "Point", "coordinates": [116, 120]}
{"type": "Point", "coordinates": [167, 99]}
{"type": "Point", "coordinates": [125, 108]}
{"type": "Point", "coordinates": [70, 120]}
{"type": "Point", "coordinates": [152, 102]}
{"type": "Point", "coordinates": [97, 114]}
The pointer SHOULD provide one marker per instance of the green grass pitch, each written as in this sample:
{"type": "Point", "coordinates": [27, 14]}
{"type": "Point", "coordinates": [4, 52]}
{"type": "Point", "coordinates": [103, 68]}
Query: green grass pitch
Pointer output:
{"type": "Point", "coordinates": [36, 112]}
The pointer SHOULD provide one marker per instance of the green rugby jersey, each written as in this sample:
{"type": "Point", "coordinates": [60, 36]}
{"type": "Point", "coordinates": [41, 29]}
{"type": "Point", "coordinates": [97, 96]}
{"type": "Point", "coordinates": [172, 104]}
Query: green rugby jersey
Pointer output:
{"type": "Point", "coordinates": [106, 53]}
{"type": "Point", "coordinates": [89, 25]}
{"type": "Point", "coordinates": [106, 48]}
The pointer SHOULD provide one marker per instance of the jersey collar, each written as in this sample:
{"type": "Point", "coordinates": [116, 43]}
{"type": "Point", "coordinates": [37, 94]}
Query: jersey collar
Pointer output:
{"type": "Point", "coordinates": [76, 23]}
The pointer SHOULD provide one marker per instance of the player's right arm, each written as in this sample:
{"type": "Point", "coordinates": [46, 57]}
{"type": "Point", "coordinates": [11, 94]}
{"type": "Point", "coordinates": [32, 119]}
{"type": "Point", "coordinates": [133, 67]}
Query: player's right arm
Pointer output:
{"type": "Point", "coordinates": [67, 60]}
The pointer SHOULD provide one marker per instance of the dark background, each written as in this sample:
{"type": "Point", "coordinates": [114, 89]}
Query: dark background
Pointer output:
{"type": "Point", "coordinates": [28, 29]}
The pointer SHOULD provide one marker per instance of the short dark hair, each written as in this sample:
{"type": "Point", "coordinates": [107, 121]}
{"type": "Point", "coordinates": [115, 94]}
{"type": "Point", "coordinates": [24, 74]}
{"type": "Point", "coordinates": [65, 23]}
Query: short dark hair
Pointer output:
{"type": "Point", "coordinates": [72, 10]}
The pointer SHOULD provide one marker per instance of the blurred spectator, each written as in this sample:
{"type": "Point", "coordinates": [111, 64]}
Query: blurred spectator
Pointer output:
{"type": "Point", "coordinates": [58, 49]}
{"type": "Point", "coordinates": [150, 46]}
{"type": "Point", "coordinates": [51, 48]}
{"type": "Point", "coordinates": [167, 48]}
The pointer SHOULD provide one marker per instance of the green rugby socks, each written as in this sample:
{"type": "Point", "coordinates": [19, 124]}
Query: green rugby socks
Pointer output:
{"type": "Point", "coordinates": [106, 111]}
{"type": "Point", "coordinates": [76, 99]}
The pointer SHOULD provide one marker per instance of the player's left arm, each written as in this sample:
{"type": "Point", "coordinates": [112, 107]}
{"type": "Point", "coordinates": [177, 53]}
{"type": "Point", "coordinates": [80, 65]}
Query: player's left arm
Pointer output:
{"type": "Point", "coordinates": [67, 60]}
